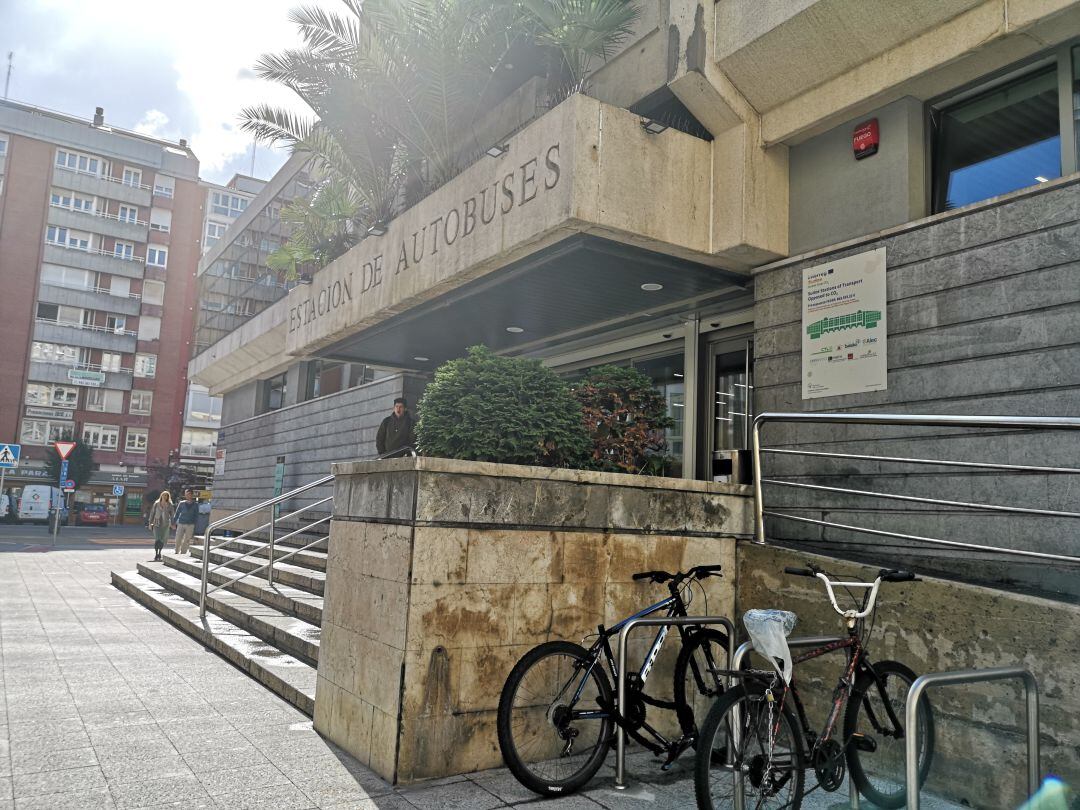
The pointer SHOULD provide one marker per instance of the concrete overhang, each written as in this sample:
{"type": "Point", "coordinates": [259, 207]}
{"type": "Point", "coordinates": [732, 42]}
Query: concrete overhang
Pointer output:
{"type": "Point", "coordinates": [583, 169]}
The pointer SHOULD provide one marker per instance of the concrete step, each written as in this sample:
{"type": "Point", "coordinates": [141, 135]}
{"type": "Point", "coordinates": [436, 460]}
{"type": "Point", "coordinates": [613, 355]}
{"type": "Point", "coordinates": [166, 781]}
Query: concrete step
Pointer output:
{"type": "Point", "coordinates": [285, 573]}
{"type": "Point", "coordinates": [285, 675]}
{"type": "Point", "coordinates": [287, 633]}
{"type": "Point", "coordinates": [296, 541]}
{"type": "Point", "coordinates": [294, 601]}
{"type": "Point", "coordinates": [313, 559]}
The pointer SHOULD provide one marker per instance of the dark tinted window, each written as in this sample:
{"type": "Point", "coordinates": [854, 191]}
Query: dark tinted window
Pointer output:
{"type": "Point", "coordinates": [999, 141]}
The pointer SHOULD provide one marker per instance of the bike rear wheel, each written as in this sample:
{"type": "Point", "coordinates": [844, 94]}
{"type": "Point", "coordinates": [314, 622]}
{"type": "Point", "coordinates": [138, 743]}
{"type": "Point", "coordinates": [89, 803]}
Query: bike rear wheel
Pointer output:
{"type": "Point", "coordinates": [741, 755]}
{"type": "Point", "coordinates": [879, 773]}
{"type": "Point", "coordinates": [698, 678]}
{"type": "Point", "coordinates": [547, 747]}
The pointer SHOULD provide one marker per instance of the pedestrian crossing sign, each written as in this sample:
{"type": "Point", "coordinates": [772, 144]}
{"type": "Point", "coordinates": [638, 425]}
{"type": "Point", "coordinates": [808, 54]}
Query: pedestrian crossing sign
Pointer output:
{"type": "Point", "coordinates": [9, 455]}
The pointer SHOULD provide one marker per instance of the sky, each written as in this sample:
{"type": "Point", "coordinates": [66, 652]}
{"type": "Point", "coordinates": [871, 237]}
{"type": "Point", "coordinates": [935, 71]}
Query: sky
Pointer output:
{"type": "Point", "coordinates": [169, 69]}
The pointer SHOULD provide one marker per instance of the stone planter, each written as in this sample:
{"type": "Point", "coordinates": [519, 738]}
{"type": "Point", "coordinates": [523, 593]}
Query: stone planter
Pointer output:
{"type": "Point", "coordinates": [441, 574]}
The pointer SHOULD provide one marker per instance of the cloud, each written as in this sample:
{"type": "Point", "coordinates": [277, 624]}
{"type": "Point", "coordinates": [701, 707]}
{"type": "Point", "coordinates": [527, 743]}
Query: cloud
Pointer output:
{"type": "Point", "coordinates": [155, 123]}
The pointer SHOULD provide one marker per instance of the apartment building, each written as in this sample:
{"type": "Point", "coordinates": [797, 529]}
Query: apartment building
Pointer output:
{"type": "Point", "coordinates": [224, 204]}
{"type": "Point", "coordinates": [99, 241]}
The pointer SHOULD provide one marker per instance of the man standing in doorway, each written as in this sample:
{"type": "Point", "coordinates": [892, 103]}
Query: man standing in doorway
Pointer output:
{"type": "Point", "coordinates": [187, 512]}
{"type": "Point", "coordinates": [396, 431]}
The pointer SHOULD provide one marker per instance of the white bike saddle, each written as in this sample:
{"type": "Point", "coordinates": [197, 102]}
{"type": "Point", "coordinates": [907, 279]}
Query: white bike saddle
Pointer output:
{"type": "Point", "coordinates": [768, 631]}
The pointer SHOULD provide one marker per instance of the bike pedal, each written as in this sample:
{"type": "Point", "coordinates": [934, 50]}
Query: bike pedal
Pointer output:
{"type": "Point", "coordinates": [863, 743]}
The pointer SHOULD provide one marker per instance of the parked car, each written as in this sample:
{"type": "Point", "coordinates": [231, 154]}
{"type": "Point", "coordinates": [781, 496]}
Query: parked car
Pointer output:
{"type": "Point", "coordinates": [37, 500]}
{"type": "Point", "coordinates": [91, 514]}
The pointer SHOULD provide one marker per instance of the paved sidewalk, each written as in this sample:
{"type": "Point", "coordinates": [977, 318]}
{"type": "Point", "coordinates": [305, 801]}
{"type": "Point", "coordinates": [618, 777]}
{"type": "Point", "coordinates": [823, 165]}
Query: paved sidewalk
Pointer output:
{"type": "Point", "coordinates": [105, 705]}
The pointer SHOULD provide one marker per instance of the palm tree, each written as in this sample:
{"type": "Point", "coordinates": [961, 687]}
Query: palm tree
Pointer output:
{"type": "Point", "coordinates": [395, 87]}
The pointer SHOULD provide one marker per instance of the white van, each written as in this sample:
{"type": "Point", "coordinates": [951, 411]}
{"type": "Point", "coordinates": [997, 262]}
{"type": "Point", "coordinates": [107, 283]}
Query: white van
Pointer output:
{"type": "Point", "coordinates": [37, 500]}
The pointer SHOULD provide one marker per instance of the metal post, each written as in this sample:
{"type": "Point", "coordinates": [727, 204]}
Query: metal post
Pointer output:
{"type": "Point", "coordinates": [273, 525]}
{"type": "Point", "coordinates": [911, 720]}
{"type": "Point", "coordinates": [658, 621]}
{"type": "Point", "coordinates": [205, 571]}
{"type": "Point", "coordinates": [759, 517]}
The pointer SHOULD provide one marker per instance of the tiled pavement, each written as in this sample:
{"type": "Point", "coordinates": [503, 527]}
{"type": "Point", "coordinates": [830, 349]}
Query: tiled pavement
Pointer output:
{"type": "Point", "coordinates": [105, 705]}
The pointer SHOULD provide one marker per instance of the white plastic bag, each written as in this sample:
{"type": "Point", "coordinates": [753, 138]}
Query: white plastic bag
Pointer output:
{"type": "Point", "coordinates": [768, 631]}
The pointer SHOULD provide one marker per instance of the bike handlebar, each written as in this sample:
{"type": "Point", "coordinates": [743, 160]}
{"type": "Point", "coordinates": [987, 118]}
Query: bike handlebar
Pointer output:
{"type": "Point", "coordinates": [884, 575]}
{"type": "Point", "coordinates": [697, 572]}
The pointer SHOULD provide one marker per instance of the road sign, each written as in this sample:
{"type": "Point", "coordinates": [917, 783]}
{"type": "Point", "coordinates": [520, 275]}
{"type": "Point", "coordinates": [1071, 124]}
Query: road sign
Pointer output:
{"type": "Point", "coordinates": [118, 490]}
{"type": "Point", "coordinates": [63, 471]}
{"type": "Point", "coordinates": [63, 449]}
{"type": "Point", "coordinates": [69, 486]}
{"type": "Point", "coordinates": [9, 456]}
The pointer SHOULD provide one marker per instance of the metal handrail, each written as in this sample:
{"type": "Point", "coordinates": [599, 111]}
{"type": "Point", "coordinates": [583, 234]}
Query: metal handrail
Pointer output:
{"type": "Point", "coordinates": [965, 676]}
{"type": "Point", "coordinates": [271, 504]}
{"type": "Point", "coordinates": [914, 420]}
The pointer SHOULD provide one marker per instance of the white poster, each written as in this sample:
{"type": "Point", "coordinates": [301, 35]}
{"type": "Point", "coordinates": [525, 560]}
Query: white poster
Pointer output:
{"type": "Point", "coordinates": [219, 463]}
{"type": "Point", "coordinates": [843, 326]}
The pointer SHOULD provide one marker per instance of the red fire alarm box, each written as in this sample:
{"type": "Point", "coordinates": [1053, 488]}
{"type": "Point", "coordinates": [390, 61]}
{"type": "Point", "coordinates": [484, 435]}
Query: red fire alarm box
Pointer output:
{"type": "Point", "coordinates": [865, 139]}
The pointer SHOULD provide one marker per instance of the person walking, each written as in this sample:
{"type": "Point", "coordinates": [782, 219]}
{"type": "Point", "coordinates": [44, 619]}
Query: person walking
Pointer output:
{"type": "Point", "coordinates": [160, 517]}
{"type": "Point", "coordinates": [396, 431]}
{"type": "Point", "coordinates": [187, 512]}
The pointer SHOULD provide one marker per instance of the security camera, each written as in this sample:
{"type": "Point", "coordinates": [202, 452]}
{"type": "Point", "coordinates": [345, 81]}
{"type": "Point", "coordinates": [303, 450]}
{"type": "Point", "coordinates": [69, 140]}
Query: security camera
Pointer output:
{"type": "Point", "coordinates": [667, 334]}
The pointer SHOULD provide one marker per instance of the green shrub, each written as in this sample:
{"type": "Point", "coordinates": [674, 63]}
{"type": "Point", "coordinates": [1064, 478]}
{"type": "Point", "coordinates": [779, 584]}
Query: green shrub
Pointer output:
{"type": "Point", "coordinates": [488, 408]}
{"type": "Point", "coordinates": [626, 418]}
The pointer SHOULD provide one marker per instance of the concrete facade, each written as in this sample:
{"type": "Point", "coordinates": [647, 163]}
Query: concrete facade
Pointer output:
{"type": "Point", "coordinates": [933, 626]}
{"type": "Point", "coordinates": [309, 435]}
{"type": "Point", "coordinates": [982, 310]}
{"type": "Point", "coordinates": [442, 574]}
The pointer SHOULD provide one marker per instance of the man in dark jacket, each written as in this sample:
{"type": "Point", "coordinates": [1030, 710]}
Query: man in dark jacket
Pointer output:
{"type": "Point", "coordinates": [396, 430]}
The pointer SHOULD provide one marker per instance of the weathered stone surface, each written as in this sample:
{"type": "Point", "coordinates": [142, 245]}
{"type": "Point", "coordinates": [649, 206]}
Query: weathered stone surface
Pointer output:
{"type": "Point", "coordinates": [427, 615]}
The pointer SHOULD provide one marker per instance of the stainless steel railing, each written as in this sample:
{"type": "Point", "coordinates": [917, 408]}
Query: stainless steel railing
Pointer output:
{"type": "Point", "coordinates": [845, 419]}
{"type": "Point", "coordinates": [272, 504]}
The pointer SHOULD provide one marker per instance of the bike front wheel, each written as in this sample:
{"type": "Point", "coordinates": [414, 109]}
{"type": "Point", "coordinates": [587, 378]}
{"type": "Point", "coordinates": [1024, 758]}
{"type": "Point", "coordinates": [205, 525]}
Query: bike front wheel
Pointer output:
{"type": "Point", "coordinates": [553, 730]}
{"type": "Point", "coordinates": [751, 748]}
{"type": "Point", "coordinates": [876, 756]}
{"type": "Point", "coordinates": [699, 678]}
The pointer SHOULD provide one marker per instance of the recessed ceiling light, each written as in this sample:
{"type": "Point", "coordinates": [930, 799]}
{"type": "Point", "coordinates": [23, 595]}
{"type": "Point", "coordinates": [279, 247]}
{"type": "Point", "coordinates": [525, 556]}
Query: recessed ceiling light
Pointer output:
{"type": "Point", "coordinates": [1040, 178]}
{"type": "Point", "coordinates": [514, 330]}
{"type": "Point", "coordinates": [652, 287]}
{"type": "Point", "coordinates": [421, 359]}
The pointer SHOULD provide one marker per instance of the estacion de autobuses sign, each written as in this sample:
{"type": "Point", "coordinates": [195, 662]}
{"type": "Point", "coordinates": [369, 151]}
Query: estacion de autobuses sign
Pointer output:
{"type": "Point", "coordinates": [504, 197]}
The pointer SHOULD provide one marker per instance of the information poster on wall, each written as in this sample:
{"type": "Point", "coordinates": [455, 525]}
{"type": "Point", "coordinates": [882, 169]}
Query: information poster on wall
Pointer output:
{"type": "Point", "coordinates": [843, 323]}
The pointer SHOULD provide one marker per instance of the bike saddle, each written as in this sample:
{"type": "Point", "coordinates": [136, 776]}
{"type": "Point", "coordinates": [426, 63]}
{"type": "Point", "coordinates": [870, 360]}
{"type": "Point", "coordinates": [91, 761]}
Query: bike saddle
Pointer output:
{"type": "Point", "coordinates": [768, 630]}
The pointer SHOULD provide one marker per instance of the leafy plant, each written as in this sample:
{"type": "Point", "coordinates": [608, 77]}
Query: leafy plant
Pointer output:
{"type": "Point", "coordinates": [483, 407]}
{"type": "Point", "coordinates": [323, 228]}
{"type": "Point", "coordinates": [80, 463]}
{"type": "Point", "coordinates": [626, 418]}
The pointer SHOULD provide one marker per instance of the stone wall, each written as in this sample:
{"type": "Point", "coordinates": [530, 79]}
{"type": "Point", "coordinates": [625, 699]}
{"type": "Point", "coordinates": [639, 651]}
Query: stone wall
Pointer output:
{"type": "Point", "coordinates": [442, 574]}
{"type": "Point", "coordinates": [983, 312]}
{"type": "Point", "coordinates": [934, 625]}
{"type": "Point", "coordinates": [311, 436]}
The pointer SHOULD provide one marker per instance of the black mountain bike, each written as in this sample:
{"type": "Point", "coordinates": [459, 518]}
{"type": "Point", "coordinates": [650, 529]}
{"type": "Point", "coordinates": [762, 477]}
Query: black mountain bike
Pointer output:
{"type": "Point", "coordinates": [757, 744]}
{"type": "Point", "coordinates": [557, 713]}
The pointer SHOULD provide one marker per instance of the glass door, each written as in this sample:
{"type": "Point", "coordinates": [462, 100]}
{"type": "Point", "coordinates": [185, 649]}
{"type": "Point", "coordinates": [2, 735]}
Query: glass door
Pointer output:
{"type": "Point", "coordinates": [729, 404]}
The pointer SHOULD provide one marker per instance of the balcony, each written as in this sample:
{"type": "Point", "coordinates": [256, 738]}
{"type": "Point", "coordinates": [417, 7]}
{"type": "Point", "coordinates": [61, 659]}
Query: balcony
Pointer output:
{"type": "Point", "coordinates": [51, 372]}
{"type": "Point", "coordinates": [97, 261]}
{"type": "Point", "coordinates": [98, 222]}
{"type": "Point", "coordinates": [89, 298]}
{"type": "Point", "coordinates": [197, 451]}
{"type": "Point", "coordinates": [109, 187]}
{"type": "Point", "coordinates": [93, 337]}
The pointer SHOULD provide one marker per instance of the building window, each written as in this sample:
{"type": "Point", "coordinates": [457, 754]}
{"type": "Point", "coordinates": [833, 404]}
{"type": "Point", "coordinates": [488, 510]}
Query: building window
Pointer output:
{"type": "Point", "coordinates": [51, 396]}
{"type": "Point", "coordinates": [104, 400]}
{"type": "Point", "coordinates": [1000, 140]}
{"type": "Point", "coordinates": [128, 213]}
{"type": "Point", "coordinates": [76, 162]}
{"type": "Point", "coordinates": [102, 437]}
{"type": "Point", "coordinates": [3, 146]}
{"type": "Point", "coordinates": [132, 177]}
{"type": "Point", "coordinates": [214, 232]}
{"type": "Point", "coordinates": [111, 361]}
{"type": "Point", "coordinates": [116, 324]}
{"type": "Point", "coordinates": [52, 353]}
{"type": "Point", "coordinates": [157, 257]}
{"type": "Point", "coordinates": [198, 443]}
{"type": "Point", "coordinates": [62, 236]}
{"type": "Point", "coordinates": [164, 186]}
{"type": "Point", "coordinates": [160, 220]}
{"type": "Point", "coordinates": [145, 365]}
{"type": "Point", "coordinates": [149, 328]}
{"type": "Point", "coordinates": [67, 277]}
{"type": "Point", "coordinates": [73, 202]}
{"type": "Point", "coordinates": [43, 431]}
{"type": "Point", "coordinates": [275, 392]}
{"type": "Point", "coordinates": [228, 205]}
{"type": "Point", "coordinates": [135, 440]}
{"type": "Point", "coordinates": [153, 292]}
{"type": "Point", "coordinates": [141, 403]}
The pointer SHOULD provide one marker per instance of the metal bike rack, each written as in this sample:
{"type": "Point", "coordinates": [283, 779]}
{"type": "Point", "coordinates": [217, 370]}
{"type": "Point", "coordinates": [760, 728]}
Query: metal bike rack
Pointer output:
{"type": "Point", "coordinates": [911, 719]}
{"type": "Point", "coordinates": [741, 655]}
{"type": "Point", "coordinates": [657, 621]}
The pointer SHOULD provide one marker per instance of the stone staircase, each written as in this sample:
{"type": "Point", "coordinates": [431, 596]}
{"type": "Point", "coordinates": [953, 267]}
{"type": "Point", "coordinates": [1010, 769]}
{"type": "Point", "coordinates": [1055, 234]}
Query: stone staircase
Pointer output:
{"type": "Point", "coordinates": [269, 631]}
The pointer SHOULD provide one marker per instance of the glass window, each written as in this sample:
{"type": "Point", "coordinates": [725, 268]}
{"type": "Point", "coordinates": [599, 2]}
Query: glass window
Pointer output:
{"type": "Point", "coordinates": [37, 394]}
{"type": "Point", "coordinates": [124, 250]}
{"type": "Point", "coordinates": [153, 292]}
{"type": "Point", "coordinates": [117, 285]}
{"type": "Point", "coordinates": [102, 437]}
{"type": "Point", "coordinates": [157, 256]}
{"type": "Point", "coordinates": [116, 323]}
{"type": "Point", "coordinates": [104, 400]}
{"type": "Point", "coordinates": [128, 213]}
{"type": "Point", "coordinates": [275, 392]}
{"type": "Point", "coordinates": [48, 312]}
{"type": "Point", "coordinates": [132, 177]}
{"type": "Point", "coordinates": [66, 277]}
{"type": "Point", "coordinates": [51, 353]}
{"type": "Point", "coordinates": [141, 402]}
{"type": "Point", "coordinates": [999, 141]}
{"type": "Point", "coordinates": [667, 376]}
{"type": "Point", "coordinates": [135, 440]}
{"type": "Point", "coordinates": [145, 365]}
{"type": "Point", "coordinates": [149, 328]}
{"type": "Point", "coordinates": [110, 361]}
{"type": "Point", "coordinates": [160, 220]}
{"type": "Point", "coordinates": [164, 186]}
{"type": "Point", "coordinates": [77, 162]}
{"type": "Point", "coordinates": [43, 431]}
{"type": "Point", "coordinates": [3, 146]}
